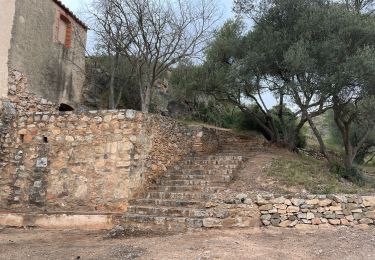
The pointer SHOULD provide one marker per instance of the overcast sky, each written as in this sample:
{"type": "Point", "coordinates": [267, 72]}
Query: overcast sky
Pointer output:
{"type": "Point", "coordinates": [77, 7]}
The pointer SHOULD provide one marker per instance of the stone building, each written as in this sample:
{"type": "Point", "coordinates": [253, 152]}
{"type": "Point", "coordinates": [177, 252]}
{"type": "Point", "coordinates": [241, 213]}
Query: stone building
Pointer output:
{"type": "Point", "coordinates": [45, 42]}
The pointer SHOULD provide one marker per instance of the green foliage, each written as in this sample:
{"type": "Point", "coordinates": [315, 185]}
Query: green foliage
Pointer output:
{"type": "Point", "coordinates": [309, 52]}
{"type": "Point", "coordinates": [246, 123]}
{"type": "Point", "coordinates": [188, 81]}
{"type": "Point", "coordinates": [363, 121]}
{"type": "Point", "coordinates": [334, 137]}
{"type": "Point", "coordinates": [292, 121]}
{"type": "Point", "coordinates": [126, 89]}
{"type": "Point", "coordinates": [218, 115]}
{"type": "Point", "coordinates": [352, 174]}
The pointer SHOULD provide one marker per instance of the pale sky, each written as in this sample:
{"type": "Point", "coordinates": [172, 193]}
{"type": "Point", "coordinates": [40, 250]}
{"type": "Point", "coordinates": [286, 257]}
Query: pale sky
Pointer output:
{"type": "Point", "coordinates": [74, 5]}
{"type": "Point", "coordinates": [77, 7]}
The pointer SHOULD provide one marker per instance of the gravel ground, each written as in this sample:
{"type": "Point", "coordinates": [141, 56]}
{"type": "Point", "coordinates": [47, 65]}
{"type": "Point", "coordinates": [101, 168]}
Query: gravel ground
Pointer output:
{"type": "Point", "coordinates": [270, 243]}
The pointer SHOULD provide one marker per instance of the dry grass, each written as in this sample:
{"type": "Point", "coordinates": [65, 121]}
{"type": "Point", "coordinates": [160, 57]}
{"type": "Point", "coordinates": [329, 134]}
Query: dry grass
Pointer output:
{"type": "Point", "coordinates": [299, 172]}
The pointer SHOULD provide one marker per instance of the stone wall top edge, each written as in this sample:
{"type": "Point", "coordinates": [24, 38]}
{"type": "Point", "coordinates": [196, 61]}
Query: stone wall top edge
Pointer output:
{"type": "Point", "coordinates": [128, 114]}
{"type": "Point", "coordinates": [314, 196]}
{"type": "Point", "coordinates": [86, 112]}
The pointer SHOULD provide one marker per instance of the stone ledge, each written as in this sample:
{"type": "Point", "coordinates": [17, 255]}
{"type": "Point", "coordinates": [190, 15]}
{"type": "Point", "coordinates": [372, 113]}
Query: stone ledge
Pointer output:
{"type": "Point", "coordinates": [58, 221]}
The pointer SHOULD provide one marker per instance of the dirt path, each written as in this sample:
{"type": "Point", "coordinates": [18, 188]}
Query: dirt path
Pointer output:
{"type": "Point", "coordinates": [253, 177]}
{"type": "Point", "coordinates": [340, 243]}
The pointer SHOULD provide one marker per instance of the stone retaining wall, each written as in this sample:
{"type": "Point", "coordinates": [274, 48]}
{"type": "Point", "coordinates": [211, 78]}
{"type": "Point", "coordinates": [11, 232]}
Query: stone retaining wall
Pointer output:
{"type": "Point", "coordinates": [84, 161]}
{"type": "Point", "coordinates": [347, 210]}
{"type": "Point", "coordinates": [22, 99]}
{"type": "Point", "coordinates": [90, 161]}
{"type": "Point", "coordinates": [7, 115]}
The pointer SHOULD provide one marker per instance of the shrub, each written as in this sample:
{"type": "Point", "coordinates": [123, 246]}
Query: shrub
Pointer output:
{"type": "Point", "coordinates": [352, 174]}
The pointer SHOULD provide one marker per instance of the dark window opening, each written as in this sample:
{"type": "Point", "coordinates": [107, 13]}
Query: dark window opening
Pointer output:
{"type": "Point", "coordinates": [45, 139]}
{"type": "Point", "coordinates": [64, 108]}
{"type": "Point", "coordinates": [22, 138]}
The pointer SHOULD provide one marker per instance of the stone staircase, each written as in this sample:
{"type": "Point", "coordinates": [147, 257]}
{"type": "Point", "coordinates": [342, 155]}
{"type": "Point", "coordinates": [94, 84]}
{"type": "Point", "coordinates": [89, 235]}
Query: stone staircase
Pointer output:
{"type": "Point", "coordinates": [178, 201]}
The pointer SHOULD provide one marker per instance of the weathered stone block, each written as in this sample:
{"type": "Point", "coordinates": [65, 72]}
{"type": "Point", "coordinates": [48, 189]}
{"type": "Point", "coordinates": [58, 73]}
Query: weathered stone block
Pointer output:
{"type": "Point", "coordinates": [130, 114]}
{"type": "Point", "coordinates": [266, 222]}
{"type": "Point", "coordinates": [281, 206]}
{"type": "Point", "coordinates": [285, 223]}
{"type": "Point", "coordinates": [266, 207]}
{"type": "Point", "coordinates": [41, 162]}
{"type": "Point", "coordinates": [349, 218]}
{"type": "Point", "coordinates": [275, 222]}
{"type": "Point", "coordinates": [316, 221]}
{"type": "Point", "coordinates": [339, 198]}
{"type": "Point", "coordinates": [292, 209]}
{"type": "Point", "coordinates": [370, 214]}
{"type": "Point", "coordinates": [312, 202]}
{"type": "Point", "coordinates": [266, 217]}
{"type": "Point", "coordinates": [309, 216]}
{"type": "Point", "coordinates": [288, 202]}
{"type": "Point", "coordinates": [358, 216]}
{"type": "Point", "coordinates": [335, 208]}
{"type": "Point", "coordinates": [306, 221]}
{"type": "Point", "coordinates": [324, 203]}
{"type": "Point", "coordinates": [212, 222]}
{"type": "Point", "coordinates": [329, 215]}
{"type": "Point", "coordinates": [334, 221]}
{"type": "Point", "coordinates": [297, 202]}
{"type": "Point", "coordinates": [368, 201]}
{"type": "Point", "coordinates": [345, 222]}
{"type": "Point", "coordinates": [279, 200]}
{"type": "Point", "coordinates": [366, 221]}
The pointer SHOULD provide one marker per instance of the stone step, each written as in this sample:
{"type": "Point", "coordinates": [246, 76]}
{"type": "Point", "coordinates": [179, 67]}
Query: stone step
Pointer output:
{"type": "Point", "coordinates": [167, 203]}
{"type": "Point", "coordinates": [182, 224]}
{"type": "Point", "coordinates": [210, 162]}
{"type": "Point", "coordinates": [210, 167]}
{"type": "Point", "coordinates": [177, 200]}
{"type": "Point", "coordinates": [236, 147]}
{"type": "Point", "coordinates": [178, 195]}
{"type": "Point", "coordinates": [169, 211]}
{"type": "Point", "coordinates": [214, 172]}
{"type": "Point", "coordinates": [59, 220]}
{"type": "Point", "coordinates": [182, 182]}
{"type": "Point", "coordinates": [243, 154]}
{"type": "Point", "coordinates": [157, 223]}
{"type": "Point", "coordinates": [216, 157]}
{"type": "Point", "coordinates": [219, 178]}
{"type": "Point", "coordinates": [237, 150]}
{"type": "Point", "coordinates": [200, 188]}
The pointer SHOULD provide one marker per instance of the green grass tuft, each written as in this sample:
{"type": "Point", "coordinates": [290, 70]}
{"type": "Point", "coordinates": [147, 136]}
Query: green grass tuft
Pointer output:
{"type": "Point", "coordinates": [302, 172]}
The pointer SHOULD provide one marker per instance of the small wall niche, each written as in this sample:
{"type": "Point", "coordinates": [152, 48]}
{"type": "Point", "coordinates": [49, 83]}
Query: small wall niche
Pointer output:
{"type": "Point", "coordinates": [65, 108]}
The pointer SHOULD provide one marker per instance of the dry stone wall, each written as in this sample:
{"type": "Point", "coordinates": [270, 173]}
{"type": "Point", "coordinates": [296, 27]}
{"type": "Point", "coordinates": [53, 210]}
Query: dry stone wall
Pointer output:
{"type": "Point", "coordinates": [346, 210]}
{"type": "Point", "coordinates": [87, 161]}
{"type": "Point", "coordinates": [22, 99]}
{"type": "Point", "coordinates": [7, 115]}
{"type": "Point", "coordinates": [91, 161]}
